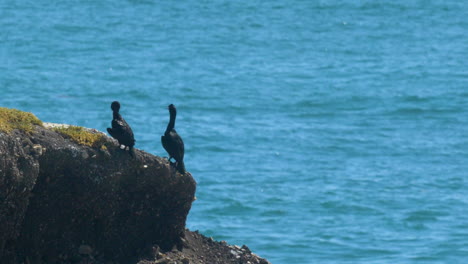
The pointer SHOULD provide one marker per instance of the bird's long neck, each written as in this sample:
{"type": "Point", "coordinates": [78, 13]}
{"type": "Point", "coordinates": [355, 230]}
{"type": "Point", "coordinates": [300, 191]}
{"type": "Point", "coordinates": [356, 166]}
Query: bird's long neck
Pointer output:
{"type": "Point", "coordinates": [171, 123]}
{"type": "Point", "coordinates": [116, 115]}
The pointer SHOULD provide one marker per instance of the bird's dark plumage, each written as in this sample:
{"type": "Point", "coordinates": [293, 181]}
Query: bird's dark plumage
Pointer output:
{"type": "Point", "coordinates": [120, 129]}
{"type": "Point", "coordinates": [172, 142]}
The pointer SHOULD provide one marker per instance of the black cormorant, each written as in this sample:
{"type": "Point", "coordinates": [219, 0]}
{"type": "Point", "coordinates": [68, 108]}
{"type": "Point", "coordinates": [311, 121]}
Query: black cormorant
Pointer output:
{"type": "Point", "coordinates": [121, 130]}
{"type": "Point", "coordinates": [172, 142]}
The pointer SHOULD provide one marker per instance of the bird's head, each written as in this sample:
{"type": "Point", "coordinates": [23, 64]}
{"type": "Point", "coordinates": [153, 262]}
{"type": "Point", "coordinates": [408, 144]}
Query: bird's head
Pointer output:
{"type": "Point", "coordinates": [115, 106]}
{"type": "Point", "coordinates": [171, 108]}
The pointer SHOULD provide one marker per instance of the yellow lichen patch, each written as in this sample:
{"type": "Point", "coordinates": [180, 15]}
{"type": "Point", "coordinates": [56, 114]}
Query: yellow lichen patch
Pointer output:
{"type": "Point", "coordinates": [15, 119]}
{"type": "Point", "coordinates": [82, 136]}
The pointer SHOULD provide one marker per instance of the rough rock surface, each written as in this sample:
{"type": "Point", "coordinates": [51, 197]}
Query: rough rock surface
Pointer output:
{"type": "Point", "coordinates": [61, 202]}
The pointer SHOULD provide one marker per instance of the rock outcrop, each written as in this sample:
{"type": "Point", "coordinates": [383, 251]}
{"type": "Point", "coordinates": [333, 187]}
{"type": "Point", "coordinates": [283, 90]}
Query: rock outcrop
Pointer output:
{"type": "Point", "coordinates": [78, 198]}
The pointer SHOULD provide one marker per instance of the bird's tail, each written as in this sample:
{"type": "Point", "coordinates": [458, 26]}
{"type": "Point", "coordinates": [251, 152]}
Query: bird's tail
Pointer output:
{"type": "Point", "coordinates": [181, 167]}
{"type": "Point", "coordinates": [131, 150]}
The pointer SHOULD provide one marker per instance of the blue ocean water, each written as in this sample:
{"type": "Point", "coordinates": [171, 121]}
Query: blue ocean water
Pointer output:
{"type": "Point", "coordinates": [319, 131]}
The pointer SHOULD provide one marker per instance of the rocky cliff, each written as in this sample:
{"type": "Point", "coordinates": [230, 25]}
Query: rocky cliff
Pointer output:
{"type": "Point", "coordinates": [70, 195]}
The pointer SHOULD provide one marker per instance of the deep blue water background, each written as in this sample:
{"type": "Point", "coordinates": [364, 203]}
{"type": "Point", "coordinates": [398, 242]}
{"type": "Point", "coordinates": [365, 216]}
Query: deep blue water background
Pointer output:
{"type": "Point", "coordinates": [318, 131]}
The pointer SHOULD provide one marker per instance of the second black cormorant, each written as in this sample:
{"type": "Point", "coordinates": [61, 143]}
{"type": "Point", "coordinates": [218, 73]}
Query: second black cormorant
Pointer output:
{"type": "Point", "coordinates": [121, 130]}
{"type": "Point", "coordinates": [172, 142]}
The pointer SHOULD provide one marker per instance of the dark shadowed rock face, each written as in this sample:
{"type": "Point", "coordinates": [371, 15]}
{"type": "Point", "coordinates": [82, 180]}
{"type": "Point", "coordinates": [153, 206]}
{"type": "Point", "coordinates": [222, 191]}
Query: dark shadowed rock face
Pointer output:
{"type": "Point", "coordinates": [60, 200]}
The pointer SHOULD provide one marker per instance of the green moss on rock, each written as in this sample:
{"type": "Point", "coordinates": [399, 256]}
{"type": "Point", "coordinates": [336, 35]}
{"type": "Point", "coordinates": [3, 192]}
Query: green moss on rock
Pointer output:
{"type": "Point", "coordinates": [11, 119]}
{"type": "Point", "coordinates": [82, 136]}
